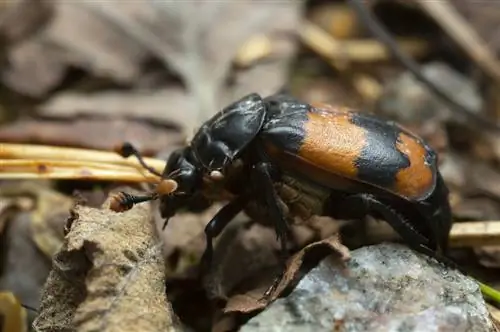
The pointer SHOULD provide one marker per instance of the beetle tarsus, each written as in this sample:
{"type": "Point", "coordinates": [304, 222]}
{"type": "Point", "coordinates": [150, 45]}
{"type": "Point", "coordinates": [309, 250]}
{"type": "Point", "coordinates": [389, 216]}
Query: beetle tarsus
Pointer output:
{"type": "Point", "coordinates": [127, 149]}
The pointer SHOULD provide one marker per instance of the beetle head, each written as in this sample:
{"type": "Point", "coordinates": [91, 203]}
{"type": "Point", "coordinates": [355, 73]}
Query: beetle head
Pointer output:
{"type": "Point", "coordinates": [183, 170]}
{"type": "Point", "coordinates": [223, 137]}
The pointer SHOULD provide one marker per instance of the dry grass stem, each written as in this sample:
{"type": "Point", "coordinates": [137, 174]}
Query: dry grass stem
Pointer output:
{"type": "Point", "coordinates": [463, 234]}
{"type": "Point", "coordinates": [475, 234]}
{"type": "Point", "coordinates": [23, 161]}
{"type": "Point", "coordinates": [27, 151]}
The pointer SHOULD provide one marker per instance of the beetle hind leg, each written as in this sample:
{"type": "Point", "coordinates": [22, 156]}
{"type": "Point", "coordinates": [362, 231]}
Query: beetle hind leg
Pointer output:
{"type": "Point", "coordinates": [410, 235]}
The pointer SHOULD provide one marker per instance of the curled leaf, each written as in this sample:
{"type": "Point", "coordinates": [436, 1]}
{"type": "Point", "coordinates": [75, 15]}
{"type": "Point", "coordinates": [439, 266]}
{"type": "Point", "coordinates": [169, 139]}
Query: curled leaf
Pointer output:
{"type": "Point", "coordinates": [253, 300]}
{"type": "Point", "coordinates": [108, 275]}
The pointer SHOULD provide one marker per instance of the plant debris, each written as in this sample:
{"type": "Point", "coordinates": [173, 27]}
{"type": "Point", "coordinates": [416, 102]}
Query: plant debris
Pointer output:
{"type": "Point", "coordinates": [107, 276]}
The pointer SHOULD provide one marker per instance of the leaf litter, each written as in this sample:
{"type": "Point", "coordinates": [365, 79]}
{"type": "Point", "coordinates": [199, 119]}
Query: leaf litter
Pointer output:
{"type": "Point", "coordinates": [109, 275]}
{"type": "Point", "coordinates": [117, 40]}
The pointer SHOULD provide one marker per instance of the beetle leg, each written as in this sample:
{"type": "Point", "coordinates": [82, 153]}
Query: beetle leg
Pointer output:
{"type": "Point", "coordinates": [217, 225]}
{"type": "Point", "coordinates": [263, 178]}
{"type": "Point", "coordinates": [409, 234]}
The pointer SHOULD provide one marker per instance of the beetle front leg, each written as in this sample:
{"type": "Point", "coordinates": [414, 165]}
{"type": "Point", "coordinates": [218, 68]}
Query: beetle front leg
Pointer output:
{"type": "Point", "coordinates": [270, 198]}
{"type": "Point", "coordinates": [217, 225]}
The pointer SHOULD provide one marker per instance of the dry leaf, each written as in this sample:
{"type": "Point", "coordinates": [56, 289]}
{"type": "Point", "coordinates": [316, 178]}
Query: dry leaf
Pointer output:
{"type": "Point", "coordinates": [196, 39]}
{"type": "Point", "coordinates": [164, 106]}
{"type": "Point", "coordinates": [90, 133]}
{"type": "Point", "coordinates": [207, 38]}
{"type": "Point", "coordinates": [12, 314]}
{"type": "Point", "coordinates": [108, 276]}
{"type": "Point", "coordinates": [24, 267]}
{"type": "Point", "coordinates": [251, 301]}
{"type": "Point", "coordinates": [34, 68]}
{"type": "Point", "coordinates": [50, 211]}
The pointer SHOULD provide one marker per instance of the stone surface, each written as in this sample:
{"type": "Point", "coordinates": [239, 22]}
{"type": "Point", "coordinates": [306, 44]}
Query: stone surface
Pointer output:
{"type": "Point", "coordinates": [388, 288]}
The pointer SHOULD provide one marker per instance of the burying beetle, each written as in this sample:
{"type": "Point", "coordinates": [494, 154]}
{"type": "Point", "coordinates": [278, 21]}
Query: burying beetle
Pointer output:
{"type": "Point", "coordinates": [294, 159]}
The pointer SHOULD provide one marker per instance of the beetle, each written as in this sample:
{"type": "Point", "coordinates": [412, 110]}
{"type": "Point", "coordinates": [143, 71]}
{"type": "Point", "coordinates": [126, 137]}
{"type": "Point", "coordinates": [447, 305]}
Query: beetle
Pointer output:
{"type": "Point", "coordinates": [293, 159]}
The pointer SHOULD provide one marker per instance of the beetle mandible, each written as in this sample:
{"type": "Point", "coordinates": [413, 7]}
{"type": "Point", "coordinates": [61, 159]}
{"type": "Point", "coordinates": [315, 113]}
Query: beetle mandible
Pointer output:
{"type": "Point", "coordinates": [337, 162]}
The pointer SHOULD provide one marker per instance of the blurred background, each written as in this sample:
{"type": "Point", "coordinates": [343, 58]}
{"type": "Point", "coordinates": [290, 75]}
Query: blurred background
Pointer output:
{"type": "Point", "coordinates": [93, 74]}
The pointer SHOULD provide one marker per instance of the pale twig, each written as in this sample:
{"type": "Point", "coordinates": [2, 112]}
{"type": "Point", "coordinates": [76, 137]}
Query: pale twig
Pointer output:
{"type": "Point", "coordinates": [45, 152]}
{"type": "Point", "coordinates": [463, 234]}
{"type": "Point", "coordinates": [71, 170]}
{"type": "Point", "coordinates": [24, 161]}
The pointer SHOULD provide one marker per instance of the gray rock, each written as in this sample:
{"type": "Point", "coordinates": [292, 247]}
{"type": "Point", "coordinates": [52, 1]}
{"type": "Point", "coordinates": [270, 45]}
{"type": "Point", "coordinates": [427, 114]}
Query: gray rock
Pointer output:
{"type": "Point", "coordinates": [389, 288]}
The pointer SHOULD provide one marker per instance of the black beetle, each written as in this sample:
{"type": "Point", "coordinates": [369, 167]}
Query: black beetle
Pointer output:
{"type": "Point", "coordinates": [295, 159]}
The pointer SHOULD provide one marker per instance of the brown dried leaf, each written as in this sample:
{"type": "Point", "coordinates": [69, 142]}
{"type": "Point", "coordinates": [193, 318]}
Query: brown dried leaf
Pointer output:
{"type": "Point", "coordinates": [34, 68]}
{"type": "Point", "coordinates": [207, 38]}
{"type": "Point", "coordinates": [108, 276]}
{"type": "Point", "coordinates": [31, 67]}
{"type": "Point", "coordinates": [24, 267]}
{"type": "Point", "coordinates": [164, 107]}
{"type": "Point", "coordinates": [91, 133]}
{"type": "Point", "coordinates": [48, 216]}
{"type": "Point", "coordinates": [12, 314]}
{"type": "Point", "coordinates": [251, 301]}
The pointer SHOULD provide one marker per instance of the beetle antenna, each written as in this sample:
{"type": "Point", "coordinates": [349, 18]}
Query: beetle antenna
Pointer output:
{"type": "Point", "coordinates": [123, 201]}
{"type": "Point", "coordinates": [127, 149]}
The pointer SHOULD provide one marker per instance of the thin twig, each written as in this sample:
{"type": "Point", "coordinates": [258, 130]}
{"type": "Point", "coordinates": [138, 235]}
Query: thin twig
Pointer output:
{"type": "Point", "coordinates": [463, 234]}
{"type": "Point", "coordinates": [45, 152]}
